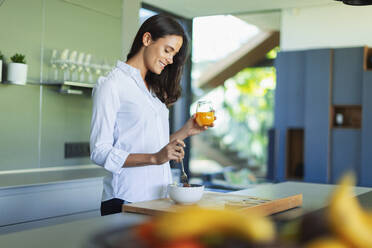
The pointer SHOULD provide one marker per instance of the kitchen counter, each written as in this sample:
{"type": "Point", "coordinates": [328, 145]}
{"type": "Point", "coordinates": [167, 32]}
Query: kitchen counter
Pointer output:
{"type": "Point", "coordinates": [68, 235]}
{"type": "Point", "coordinates": [77, 233]}
{"type": "Point", "coordinates": [314, 195]}
{"type": "Point", "coordinates": [35, 194]}
{"type": "Point", "coordinates": [40, 176]}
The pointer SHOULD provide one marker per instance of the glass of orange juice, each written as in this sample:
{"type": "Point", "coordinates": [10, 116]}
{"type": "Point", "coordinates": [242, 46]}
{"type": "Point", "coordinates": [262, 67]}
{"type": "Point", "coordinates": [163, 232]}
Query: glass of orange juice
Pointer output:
{"type": "Point", "coordinates": [204, 113]}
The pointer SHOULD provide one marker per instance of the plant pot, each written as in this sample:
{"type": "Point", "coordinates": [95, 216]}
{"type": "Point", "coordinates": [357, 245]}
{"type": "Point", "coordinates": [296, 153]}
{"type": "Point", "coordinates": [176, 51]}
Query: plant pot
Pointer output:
{"type": "Point", "coordinates": [1, 70]}
{"type": "Point", "coordinates": [17, 73]}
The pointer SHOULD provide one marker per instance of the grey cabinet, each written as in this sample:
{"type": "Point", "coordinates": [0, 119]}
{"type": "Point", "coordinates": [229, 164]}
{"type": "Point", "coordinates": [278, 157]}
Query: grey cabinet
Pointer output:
{"type": "Point", "coordinates": [317, 92]}
{"type": "Point", "coordinates": [313, 86]}
{"type": "Point", "coordinates": [365, 172]}
{"type": "Point", "coordinates": [346, 152]}
{"type": "Point", "coordinates": [347, 76]}
{"type": "Point", "coordinates": [289, 102]}
{"type": "Point", "coordinates": [280, 114]}
{"type": "Point", "coordinates": [295, 89]}
{"type": "Point", "coordinates": [290, 88]}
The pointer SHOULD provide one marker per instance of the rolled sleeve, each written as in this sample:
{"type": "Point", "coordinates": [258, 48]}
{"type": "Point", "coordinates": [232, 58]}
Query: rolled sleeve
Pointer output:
{"type": "Point", "coordinates": [106, 104]}
{"type": "Point", "coordinates": [111, 158]}
{"type": "Point", "coordinates": [115, 160]}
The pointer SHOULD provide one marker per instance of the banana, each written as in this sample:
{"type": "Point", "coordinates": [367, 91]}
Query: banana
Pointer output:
{"type": "Point", "coordinates": [346, 217]}
{"type": "Point", "coordinates": [326, 242]}
{"type": "Point", "coordinates": [368, 216]}
{"type": "Point", "coordinates": [195, 221]}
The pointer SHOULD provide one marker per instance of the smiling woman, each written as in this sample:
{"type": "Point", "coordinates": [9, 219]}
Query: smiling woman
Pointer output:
{"type": "Point", "coordinates": [130, 121]}
{"type": "Point", "coordinates": [160, 42]}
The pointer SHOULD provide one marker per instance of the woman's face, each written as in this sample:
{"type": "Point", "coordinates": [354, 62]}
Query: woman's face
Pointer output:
{"type": "Point", "coordinates": [158, 54]}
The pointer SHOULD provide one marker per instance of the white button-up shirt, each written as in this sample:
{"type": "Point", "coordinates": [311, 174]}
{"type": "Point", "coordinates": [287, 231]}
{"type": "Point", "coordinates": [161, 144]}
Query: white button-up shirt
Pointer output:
{"type": "Point", "coordinates": [127, 118]}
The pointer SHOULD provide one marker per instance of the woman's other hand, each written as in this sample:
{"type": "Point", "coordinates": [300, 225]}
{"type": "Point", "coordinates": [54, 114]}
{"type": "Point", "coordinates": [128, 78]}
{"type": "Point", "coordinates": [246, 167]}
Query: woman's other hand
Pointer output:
{"type": "Point", "coordinates": [172, 151]}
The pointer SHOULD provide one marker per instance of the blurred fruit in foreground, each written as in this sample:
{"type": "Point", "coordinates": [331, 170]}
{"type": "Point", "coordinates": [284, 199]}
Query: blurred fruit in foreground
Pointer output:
{"type": "Point", "coordinates": [327, 242]}
{"type": "Point", "coordinates": [210, 226]}
{"type": "Point", "coordinates": [343, 224]}
{"type": "Point", "coordinates": [347, 218]}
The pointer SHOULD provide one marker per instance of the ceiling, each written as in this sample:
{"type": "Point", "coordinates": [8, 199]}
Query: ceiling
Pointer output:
{"type": "Point", "coordinates": [194, 8]}
{"type": "Point", "coordinates": [264, 21]}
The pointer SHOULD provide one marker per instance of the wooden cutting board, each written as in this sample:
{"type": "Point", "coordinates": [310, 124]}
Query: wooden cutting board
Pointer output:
{"type": "Point", "coordinates": [219, 201]}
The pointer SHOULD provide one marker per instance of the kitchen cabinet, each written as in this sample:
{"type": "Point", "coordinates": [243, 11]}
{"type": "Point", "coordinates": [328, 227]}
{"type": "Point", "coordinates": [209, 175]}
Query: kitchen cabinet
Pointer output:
{"type": "Point", "coordinates": [367, 58]}
{"type": "Point", "coordinates": [280, 114]}
{"type": "Point", "coordinates": [295, 89]}
{"type": "Point", "coordinates": [289, 102]}
{"type": "Point", "coordinates": [346, 152]}
{"type": "Point", "coordinates": [314, 86]}
{"type": "Point", "coordinates": [317, 91]}
{"type": "Point", "coordinates": [291, 89]}
{"type": "Point", "coordinates": [346, 116]}
{"type": "Point", "coordinates": [347, 76]}
{"type": "Point", "coordinates": [365, 173]}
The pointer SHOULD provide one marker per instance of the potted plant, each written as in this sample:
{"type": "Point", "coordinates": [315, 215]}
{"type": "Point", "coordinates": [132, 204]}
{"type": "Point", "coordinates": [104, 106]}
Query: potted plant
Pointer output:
{"type": "Point", "coordinates": [1, 65]}
{"type": "Point", "coordinates": [17, 69]}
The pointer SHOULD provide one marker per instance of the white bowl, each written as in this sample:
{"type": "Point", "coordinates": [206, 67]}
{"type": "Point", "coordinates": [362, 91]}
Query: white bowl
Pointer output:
{"type": "Point", "coordinates": [185, 195]}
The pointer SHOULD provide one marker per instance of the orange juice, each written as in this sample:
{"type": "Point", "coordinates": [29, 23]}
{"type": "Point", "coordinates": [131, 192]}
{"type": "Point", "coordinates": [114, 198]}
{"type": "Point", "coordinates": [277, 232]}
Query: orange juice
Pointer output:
{"type": "Point", "coordinates": [204, 118]}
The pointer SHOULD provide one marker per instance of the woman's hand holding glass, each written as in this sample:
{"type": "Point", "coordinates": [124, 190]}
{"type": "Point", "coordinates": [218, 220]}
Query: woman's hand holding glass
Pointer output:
{"type": "Point", "coordinates": [204, 114]}
{"type": "Point", "coordinates": [201, 120]}
{"type": "Point", "coordinates": [172, 151]}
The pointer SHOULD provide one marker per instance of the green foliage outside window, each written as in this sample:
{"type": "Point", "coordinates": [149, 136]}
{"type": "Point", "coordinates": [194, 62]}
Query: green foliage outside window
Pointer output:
{"type": "Point", "coordinates": [252, 112]}
{"type": "Point", "coordinates": [245, 111]}
{"type": "Point", "coordinates": [248, 105]}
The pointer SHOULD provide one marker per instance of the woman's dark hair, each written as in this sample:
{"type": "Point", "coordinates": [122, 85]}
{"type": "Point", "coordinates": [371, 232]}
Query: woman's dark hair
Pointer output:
{"type": "Point", "coordinates": [166, 86]}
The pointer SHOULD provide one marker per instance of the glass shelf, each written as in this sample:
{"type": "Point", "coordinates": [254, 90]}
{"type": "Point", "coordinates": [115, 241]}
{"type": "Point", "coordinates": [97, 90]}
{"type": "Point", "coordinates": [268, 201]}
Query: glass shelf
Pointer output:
{"type": "Point", "coordinates": [73, 88]}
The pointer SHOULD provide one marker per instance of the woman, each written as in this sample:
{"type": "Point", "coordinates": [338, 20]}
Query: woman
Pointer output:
{"type": "Point", "coordinates": [130, 119]}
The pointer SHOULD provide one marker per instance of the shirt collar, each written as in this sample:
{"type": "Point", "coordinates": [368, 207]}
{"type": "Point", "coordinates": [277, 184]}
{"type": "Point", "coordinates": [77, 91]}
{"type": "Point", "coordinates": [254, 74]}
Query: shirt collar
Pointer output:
{"type": "Point", "coordinates": [128, 68]}
{"type": "Point", "coordinates": [136, 75]}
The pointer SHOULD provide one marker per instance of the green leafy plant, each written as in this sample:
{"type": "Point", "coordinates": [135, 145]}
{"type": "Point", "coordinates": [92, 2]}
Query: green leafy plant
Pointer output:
{"type": "Point", "coordinates": [18, 58]}
{"type": "Point", "coordinates": [1, 56]}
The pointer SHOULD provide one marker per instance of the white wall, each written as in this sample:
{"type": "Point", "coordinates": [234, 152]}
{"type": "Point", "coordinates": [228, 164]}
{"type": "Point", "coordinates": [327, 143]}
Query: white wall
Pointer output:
{"type": "Point", "coordinates": [336, 25]}
{"type": "Point", "coordinates": [130, 23]}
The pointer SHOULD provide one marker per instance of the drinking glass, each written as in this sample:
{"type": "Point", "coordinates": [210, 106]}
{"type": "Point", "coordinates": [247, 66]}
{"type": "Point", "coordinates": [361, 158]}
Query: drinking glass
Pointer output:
{"type": "Point", "coordinates": [87, 69]}
{"type": "Point", "coordinates": [54, 65]}
{"type": "Point", "coordinates": [72, 66]}
{"type": "Point", "coordinates": [80, 67]}
{"type": "Point", "coordinates": [204, 113]}
{"type": "Point", "coordinates": [63, 62]}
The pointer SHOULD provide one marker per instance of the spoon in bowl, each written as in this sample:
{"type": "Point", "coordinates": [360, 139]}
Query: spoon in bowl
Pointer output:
{"type": "Point", "coordinates": [184, 178]}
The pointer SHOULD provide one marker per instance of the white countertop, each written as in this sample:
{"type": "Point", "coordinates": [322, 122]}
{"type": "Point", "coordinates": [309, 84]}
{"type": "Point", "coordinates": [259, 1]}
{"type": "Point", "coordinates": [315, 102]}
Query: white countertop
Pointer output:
{"type": "Point", "coordinates": [315, 195]}
{"type": "Point", "coordinates": [28, 177]}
